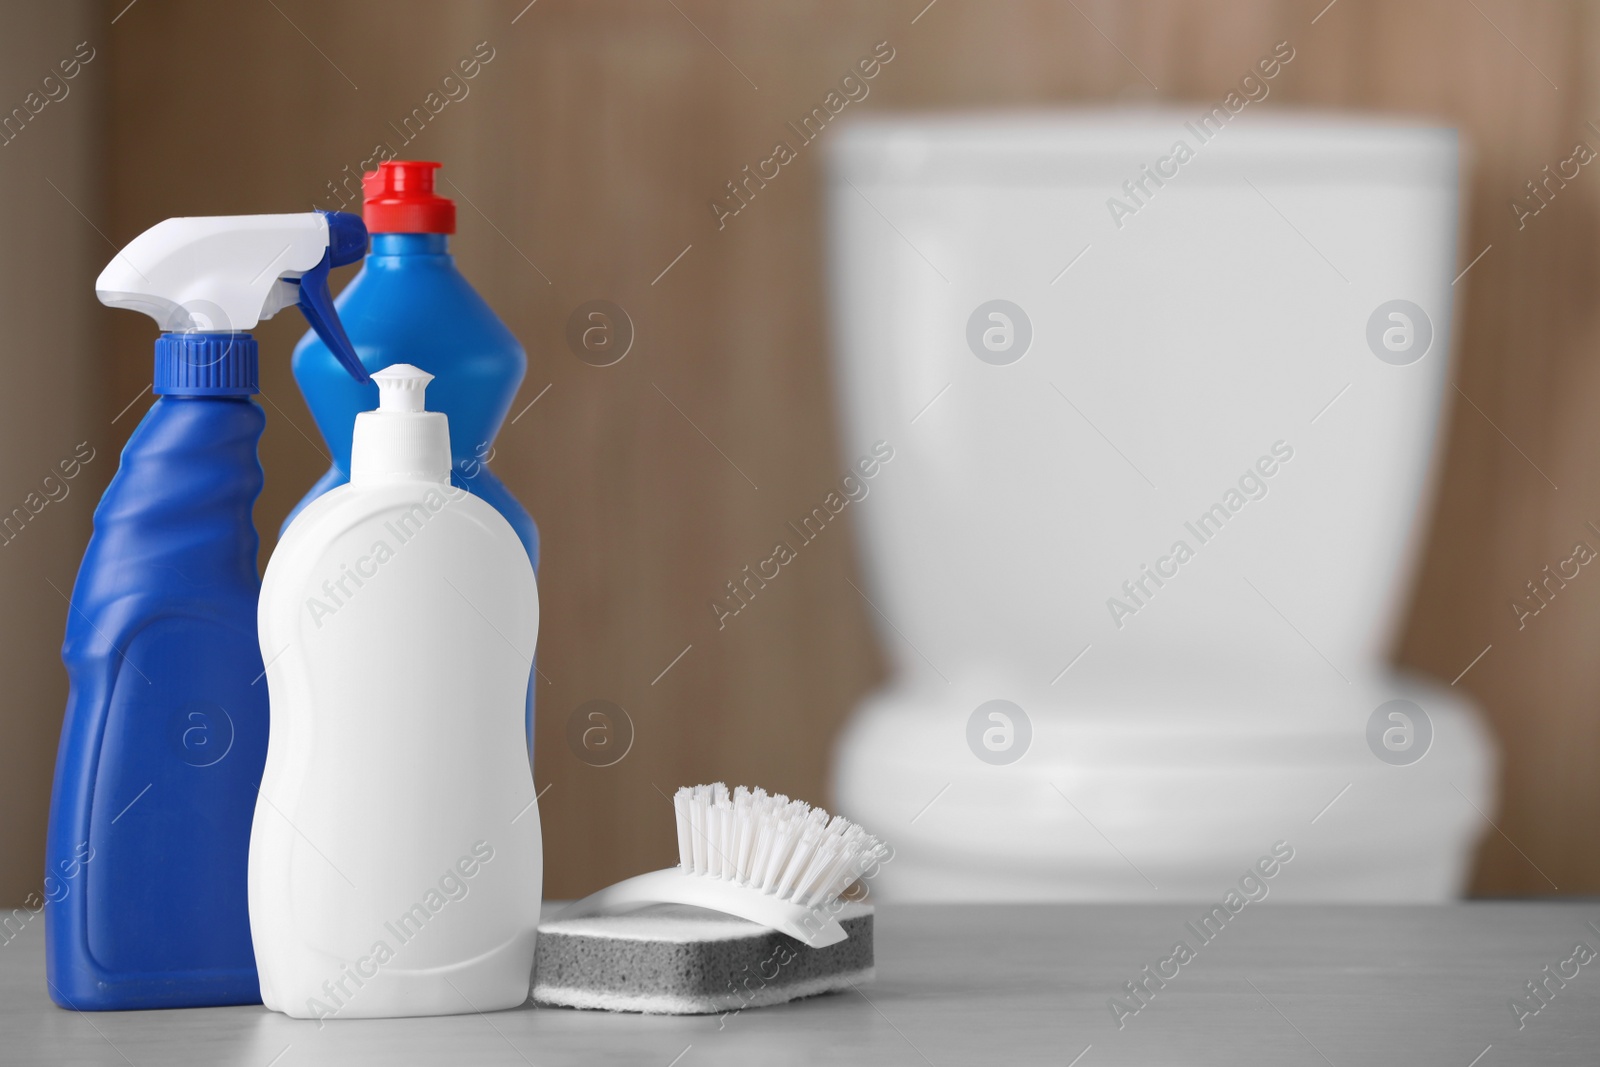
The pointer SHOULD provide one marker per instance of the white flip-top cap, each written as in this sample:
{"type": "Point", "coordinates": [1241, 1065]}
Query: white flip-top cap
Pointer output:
{"type": "Point", "coordinates": [401, 440]}
{"type": "Point", "coordinates": [402, 388]}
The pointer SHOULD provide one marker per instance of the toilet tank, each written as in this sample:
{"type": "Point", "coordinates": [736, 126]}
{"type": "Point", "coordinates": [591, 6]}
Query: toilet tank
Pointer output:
{"type": "Point", "coordinates": [1175, 335]}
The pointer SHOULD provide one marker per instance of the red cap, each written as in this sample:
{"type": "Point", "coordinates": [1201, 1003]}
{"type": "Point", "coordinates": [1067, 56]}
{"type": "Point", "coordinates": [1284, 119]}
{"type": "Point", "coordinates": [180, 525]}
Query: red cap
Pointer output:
{"type": "Point", "coordinates": [399, 198]}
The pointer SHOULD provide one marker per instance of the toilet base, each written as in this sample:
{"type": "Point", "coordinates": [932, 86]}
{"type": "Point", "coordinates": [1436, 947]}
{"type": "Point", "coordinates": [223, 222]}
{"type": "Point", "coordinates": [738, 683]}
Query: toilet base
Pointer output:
{"type": "Point", "coordinates": [1130, 796]}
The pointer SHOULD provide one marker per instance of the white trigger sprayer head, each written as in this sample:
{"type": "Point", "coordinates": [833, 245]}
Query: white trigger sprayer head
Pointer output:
{"type": "Point", "coordinates": [225, 273]}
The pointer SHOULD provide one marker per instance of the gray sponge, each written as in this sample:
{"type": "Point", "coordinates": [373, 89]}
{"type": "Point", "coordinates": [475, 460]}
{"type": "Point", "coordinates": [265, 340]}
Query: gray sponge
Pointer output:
{"type": "Point", "coordinates": [672, 959]}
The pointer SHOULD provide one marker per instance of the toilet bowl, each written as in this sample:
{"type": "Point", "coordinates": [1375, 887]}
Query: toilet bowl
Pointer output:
{"type": "Point", "coordinates": [1164, 424]}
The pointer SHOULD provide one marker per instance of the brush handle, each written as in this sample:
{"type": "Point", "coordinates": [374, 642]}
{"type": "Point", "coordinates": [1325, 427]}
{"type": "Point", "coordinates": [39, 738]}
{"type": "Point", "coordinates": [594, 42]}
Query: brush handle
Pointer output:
{"type": "Point", "coordinates": [810, 926]}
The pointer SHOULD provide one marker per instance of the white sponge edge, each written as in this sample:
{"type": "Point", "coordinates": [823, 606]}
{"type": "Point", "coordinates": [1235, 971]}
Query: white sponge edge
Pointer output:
{"type": "Point", "coordinates": [663, 1004]}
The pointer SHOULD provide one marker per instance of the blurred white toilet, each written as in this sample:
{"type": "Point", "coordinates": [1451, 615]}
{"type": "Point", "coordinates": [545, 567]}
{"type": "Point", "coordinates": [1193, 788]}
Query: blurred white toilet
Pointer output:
{"type": "Point", "coordinates": [1249, 357]}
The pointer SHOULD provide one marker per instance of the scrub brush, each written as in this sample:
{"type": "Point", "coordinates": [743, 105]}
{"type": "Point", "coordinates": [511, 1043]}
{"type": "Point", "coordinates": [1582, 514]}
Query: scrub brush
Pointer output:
{"type": "Point", "coordinates": [770, 871]}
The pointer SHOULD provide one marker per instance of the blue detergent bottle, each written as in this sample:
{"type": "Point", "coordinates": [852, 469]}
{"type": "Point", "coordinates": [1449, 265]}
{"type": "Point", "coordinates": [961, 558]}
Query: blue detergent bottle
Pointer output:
{"type": "Point", "coordinates": [165, 735]}
{"type": "Point", "coordinates": [409, 304]}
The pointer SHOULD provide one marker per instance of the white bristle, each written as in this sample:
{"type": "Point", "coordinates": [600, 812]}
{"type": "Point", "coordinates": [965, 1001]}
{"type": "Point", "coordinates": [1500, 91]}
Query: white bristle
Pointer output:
{"type": "Point", "coordinates": [680, 807]}
{"type": "Point", "coordinates": [771, 843]}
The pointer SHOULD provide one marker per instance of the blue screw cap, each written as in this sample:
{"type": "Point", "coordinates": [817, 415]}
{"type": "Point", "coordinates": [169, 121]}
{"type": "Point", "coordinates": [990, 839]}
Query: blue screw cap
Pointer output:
{"type": "Point", "coordinates": [206, 364]}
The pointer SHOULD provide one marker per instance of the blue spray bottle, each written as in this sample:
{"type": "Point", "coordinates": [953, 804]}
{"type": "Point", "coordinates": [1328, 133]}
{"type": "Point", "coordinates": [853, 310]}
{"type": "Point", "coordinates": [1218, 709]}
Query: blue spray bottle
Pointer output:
{"type": "Point", "coordinates": [411, 305]}
{"type": "Point", "coordinates": [165, 735]}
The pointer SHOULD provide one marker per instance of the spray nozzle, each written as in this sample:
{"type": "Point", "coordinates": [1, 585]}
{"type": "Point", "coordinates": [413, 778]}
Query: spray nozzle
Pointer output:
{"type": "Point", "coordinates": [226, 273]}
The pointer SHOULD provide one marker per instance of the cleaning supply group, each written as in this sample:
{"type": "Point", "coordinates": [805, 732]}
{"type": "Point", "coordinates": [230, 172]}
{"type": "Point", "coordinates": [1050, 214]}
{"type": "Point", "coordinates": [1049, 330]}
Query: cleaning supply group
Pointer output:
{"type": "Point", "coordinates": [372, 847]}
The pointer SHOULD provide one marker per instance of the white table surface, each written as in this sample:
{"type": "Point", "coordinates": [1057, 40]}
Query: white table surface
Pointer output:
{"type": "Point", "coordinates": [1290, 984]}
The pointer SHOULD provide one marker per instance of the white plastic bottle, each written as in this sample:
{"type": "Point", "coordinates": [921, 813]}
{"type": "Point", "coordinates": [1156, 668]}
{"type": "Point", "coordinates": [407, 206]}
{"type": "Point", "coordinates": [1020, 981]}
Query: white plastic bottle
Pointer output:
{"type": "Point", "coordinates": [395, 857]}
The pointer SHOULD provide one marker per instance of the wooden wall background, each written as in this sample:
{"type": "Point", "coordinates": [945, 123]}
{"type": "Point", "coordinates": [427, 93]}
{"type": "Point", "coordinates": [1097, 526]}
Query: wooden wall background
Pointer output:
{"type": "Point", "coordinates": [583, 160]}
